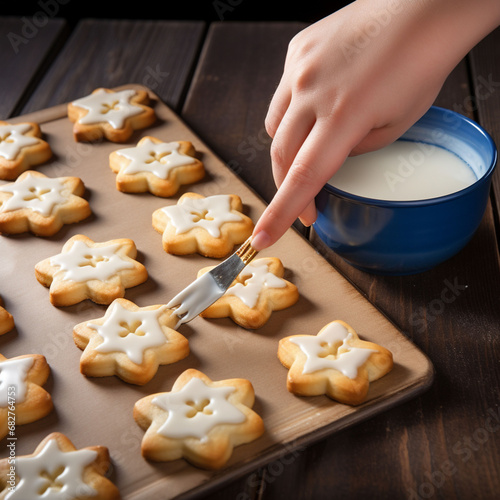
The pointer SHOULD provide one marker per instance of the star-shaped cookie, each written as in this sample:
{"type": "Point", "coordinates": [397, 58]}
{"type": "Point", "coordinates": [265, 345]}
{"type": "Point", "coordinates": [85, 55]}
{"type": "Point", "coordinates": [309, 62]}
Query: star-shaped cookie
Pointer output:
{"type": "Point", "coordinates": [129, 341]}
{"type": "Point", "coordinates": [58, 470]}
{"type": "Point", "coordinates": [258, 291]}
{"type": "Point", "coordinates": [6, 319]}
{"type": "Point", "coordinates": [200, 420]}
{"type": "Point", "coordinates": [85, 269]}
{"type": "Point", "coordinates": [210, 226]}
{"type": "Point", "coordinates": [109, 114]}
{"type": "Point", "coordinates": [21, 147]}
{"type": "Point", "coordinates": [40, 204]}
{"type": "Point", "coordinates": [335, 362]}
{"type": "Point", "coordinates": [21, 391]}
{"type": "Point", "coordinates": [156, 167]}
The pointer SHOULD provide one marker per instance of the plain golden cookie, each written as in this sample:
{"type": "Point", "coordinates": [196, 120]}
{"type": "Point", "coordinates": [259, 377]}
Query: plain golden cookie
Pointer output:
{"type": "Point", "coordinates": [6, 319]}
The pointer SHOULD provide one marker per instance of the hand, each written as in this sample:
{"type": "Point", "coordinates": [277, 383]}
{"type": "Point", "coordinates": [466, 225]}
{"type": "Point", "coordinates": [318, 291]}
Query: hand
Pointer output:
{"type": "Point", "coordinates": [355, 82]}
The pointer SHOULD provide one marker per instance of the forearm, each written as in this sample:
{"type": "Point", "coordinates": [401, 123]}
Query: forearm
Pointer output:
{"type": "Point", "coordinates": [455, 26]}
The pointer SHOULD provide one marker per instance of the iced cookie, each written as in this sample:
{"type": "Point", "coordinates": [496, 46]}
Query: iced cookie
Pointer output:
{"type": "Point", "coordinates": [210, 226]}
{"type": "Point", "coordinates": [41, 205]}
{"type": "Point", "coordinates": [156, 167]}
{"type": "Point", "coordinates": [199, 420]}
{"type": "Point", "coordinates": [130, 342]}
{"type": "Point", "coordinates": [21, 148]}
{"type": "Point", "coordinates": [99, 271]}
{"type": "Point", "coordinates": [22, 398]}
{"type": "Point", "coordinates": [258, 291]}
{"type": "Point", "coordinates": [58, 470]}
{"type": "Point", "coordinates": [6, 319]}
{"type": "Point", "coordinates": [335, 362]}
{"type": "Point", "coordinates": [109, 114]}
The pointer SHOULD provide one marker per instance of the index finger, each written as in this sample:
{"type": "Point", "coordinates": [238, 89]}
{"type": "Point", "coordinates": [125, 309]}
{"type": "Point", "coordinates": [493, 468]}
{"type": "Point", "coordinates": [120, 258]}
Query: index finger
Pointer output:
{"type": "Point", "coordinates": [320, 156]}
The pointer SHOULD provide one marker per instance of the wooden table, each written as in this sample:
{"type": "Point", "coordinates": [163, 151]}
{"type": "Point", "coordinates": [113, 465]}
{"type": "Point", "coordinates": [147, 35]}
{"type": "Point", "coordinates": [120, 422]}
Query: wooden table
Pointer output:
{"type": "Point", "coordinates": [219, 77]}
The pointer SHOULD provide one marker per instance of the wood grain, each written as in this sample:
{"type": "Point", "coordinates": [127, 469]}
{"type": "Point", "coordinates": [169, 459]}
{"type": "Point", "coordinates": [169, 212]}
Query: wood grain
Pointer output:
{"type": "Point", "coordinates": [26, 47]}
{"type": "Point", "coordinates": [486, 82]}
{"type": "Point", "coordinates": [99, 53]}
{"type": "Point", "coordinates": [238, 72]}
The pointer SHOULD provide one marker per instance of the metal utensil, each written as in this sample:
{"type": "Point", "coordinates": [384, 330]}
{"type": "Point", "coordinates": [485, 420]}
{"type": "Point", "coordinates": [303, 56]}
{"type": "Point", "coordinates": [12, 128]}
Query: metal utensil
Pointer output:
{"type": "Point", "coordinates": [212, 285]}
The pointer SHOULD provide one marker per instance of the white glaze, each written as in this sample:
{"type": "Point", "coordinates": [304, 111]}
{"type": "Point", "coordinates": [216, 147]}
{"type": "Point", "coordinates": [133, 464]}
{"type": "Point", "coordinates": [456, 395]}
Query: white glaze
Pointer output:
{"type": "Point", "coordinates": [259, 278]}
{"type": "Point", "coordinates": [39, 194]}
{"type": "Point", "coordinates": [12, 139]}
{"type": "Point", "coordinates": [213, 408]}
{"type": "Point", "coordinates": [196, 297]}
{"type": "Point", "coordinates": [208, 213]}
{"type": "Point", "coordinates": [157, 158]}
{"type": "Point", "coordinates": [83, 263]}
{"type": "Point", "coordinates": [13, 373]}
{"type": "Point", "coordinates": [347, 360]}
{"type": "Point", "coordinates": [111, 107]}
{"type": "Point", "coordinates": [404, 170]}
{"type": "Point", "coordinates": [58, 475]}
{"type": "Point", "coordinates": [129, 331]}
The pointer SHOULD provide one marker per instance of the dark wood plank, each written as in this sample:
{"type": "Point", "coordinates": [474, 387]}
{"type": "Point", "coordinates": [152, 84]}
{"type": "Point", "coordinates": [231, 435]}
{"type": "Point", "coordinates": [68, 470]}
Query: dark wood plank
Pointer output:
{"type": "Point", "coordinates": [430, 446]}
{"type": "Point", "coordinates": [486, 81]}
{"type": "Point", "coordinates": [27, 45]}
{"type": "Point", "coordinates": [106, 53]}
{"type": "Point", "coordinates": [239, 70]}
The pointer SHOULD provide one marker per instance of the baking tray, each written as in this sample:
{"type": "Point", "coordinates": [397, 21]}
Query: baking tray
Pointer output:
{"type": "Point", "coordinates": [98, 411]}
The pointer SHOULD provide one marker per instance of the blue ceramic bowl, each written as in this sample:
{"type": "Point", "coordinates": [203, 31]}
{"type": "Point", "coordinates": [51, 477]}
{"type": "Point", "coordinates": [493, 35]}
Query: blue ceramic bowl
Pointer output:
{"type": "Point", "coordinates": [407, 237]}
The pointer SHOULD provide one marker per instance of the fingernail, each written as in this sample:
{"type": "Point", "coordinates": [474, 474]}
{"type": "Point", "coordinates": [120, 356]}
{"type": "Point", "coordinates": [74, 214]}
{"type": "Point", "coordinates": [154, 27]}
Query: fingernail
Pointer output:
{"type": "Point", "coordinates": [261, 240]}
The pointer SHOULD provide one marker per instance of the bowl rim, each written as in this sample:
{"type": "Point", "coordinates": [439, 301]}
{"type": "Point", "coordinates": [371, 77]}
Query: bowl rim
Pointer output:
{"type": "Point", "coordinates": [438, 199]}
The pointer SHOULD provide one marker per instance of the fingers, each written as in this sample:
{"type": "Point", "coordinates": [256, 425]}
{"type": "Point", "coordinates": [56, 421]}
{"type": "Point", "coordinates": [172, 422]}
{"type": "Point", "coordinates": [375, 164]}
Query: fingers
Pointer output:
{"type": "Point", "coordinates": [292, 132]}
{"type": "Point", "coordinates": [308, 216]}
{"type": "Point", "coordinates": [379, 137]}
{"type": "Point", "coordinates": [322, 154]}
{"type": "Point", "coordinates": [277, 109]}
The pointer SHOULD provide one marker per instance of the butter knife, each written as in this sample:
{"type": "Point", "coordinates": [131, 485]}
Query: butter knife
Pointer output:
{"type": "Point", "coordinates": [212, 285]}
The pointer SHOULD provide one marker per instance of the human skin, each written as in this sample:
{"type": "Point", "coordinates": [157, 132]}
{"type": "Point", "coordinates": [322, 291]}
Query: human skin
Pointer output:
{"type": "Point", "coordinates": [354, 82]}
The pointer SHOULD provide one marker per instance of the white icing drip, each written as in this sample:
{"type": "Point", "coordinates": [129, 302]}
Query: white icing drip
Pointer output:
{"type": "Point", "coordinates": [157, 158]}
{"type": "Point", "coordinates": [83, 263]}
{"type": "Point", "coordinates": [347, 360]}
{"type": "Point", "coordinates": [12, 140]}
{"type": "Point", "coordinates": [111, 107]}
{"type": "Point", "coordinates": [208, 213]}
{"type": "Point", "coordinates": [260, 278]}
{"type": "Point", "coordinates": [196, 409]}
{"type": "Point", "coordinates": [130, 332]}
{"type": "Point", "coordinates": [197, 296]}
{"type": "Point", "coordinates": [13, 373]}
{"type": "Point", "coordinates": [52, 474]}
{"type": "Point", "coordinates": [39, 194]}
